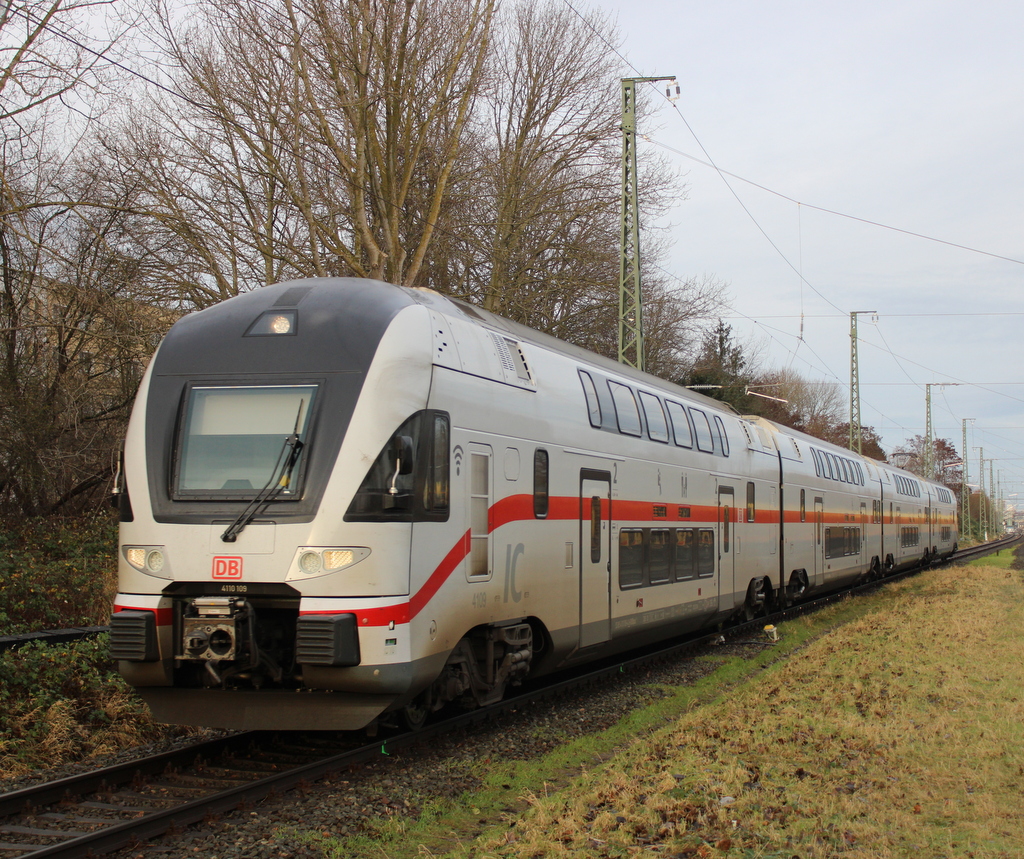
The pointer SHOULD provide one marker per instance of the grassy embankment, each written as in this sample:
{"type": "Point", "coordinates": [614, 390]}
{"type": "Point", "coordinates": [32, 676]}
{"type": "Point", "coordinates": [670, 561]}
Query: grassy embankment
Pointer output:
{"type": "Point", "coordinates": [886, 726]}
{"type": "Point", "coordinates": [61, 703]}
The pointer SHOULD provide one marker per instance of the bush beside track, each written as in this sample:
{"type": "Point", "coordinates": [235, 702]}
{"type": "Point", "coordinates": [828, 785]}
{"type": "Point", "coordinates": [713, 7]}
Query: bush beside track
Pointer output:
{"type": "Point", "coordinates": [57, 573]}
{"type": "Point", "coordinates": [62, 703]}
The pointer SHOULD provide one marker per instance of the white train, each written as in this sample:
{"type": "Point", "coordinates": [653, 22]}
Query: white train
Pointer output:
{"type": "Point", "coordinates": [341, 498]}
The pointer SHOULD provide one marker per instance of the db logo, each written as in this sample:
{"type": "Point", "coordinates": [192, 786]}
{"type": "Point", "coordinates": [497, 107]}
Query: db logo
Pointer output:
{"type": "Point", "coordinates": [227, 568]}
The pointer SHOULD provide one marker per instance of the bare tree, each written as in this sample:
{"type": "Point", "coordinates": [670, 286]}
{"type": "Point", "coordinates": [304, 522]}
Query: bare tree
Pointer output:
{"type": "Point", "coordinates": [69, 353]}
{"type": "Point", "coordinates": [311, 139]}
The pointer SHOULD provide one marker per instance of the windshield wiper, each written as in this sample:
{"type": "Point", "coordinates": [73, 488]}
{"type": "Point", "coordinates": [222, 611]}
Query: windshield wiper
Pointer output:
{"type": "Point", "coordinates": [274, 486]}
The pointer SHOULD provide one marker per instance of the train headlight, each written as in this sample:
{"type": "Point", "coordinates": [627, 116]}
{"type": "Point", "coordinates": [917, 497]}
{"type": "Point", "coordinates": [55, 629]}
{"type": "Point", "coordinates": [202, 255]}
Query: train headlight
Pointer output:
{"type": "Point", "coordinates": [310, 563]}
{"type": "Point", "coordinates": [281, 324]}
{"type": "Point", "coordinates": [151, 560]}
{"type": "Point", "coordinates": [274, 323]}
{"type": "Point", "coordinates": [315, 561]}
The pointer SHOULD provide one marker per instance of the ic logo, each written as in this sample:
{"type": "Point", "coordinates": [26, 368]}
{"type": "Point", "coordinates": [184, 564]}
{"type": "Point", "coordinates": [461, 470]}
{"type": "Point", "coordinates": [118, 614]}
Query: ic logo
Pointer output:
{"type": "Point", "coordinates": [227, 568]}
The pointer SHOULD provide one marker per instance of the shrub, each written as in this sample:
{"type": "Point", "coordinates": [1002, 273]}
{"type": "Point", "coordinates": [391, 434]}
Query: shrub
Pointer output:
{"type": "Point", "coordinates": [60, 703]}
{"type": "Point", "coordinates": [57, 573]}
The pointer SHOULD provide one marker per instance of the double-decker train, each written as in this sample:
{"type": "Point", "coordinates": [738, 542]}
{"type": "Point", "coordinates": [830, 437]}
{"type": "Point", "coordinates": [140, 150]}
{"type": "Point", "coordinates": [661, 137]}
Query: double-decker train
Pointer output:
{"type": "Point", "coordinates": [341, 499]}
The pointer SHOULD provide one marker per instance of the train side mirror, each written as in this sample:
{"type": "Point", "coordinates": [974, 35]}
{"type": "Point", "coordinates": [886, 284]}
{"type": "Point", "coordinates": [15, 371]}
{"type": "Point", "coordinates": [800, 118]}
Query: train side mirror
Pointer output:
{"type": "Point", "coordinates": [401, 457]}
{"type": "Point", "coordinates": [402, 454]}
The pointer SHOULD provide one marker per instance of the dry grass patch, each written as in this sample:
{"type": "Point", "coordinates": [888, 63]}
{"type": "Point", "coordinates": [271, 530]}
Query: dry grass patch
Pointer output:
{"type": "Point", "coordinates": [899, 734]}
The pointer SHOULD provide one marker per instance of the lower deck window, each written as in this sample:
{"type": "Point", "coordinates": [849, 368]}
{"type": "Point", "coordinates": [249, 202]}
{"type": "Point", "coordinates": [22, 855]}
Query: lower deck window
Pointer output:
{"type": "Point", "coordinates": [655, 556]}
{"type": "Point", "coordinates": [631, 558]}
{"type": "Point", "coordinates": [910, 536]}
{"type": "Point", "coordinates": [842, 542]}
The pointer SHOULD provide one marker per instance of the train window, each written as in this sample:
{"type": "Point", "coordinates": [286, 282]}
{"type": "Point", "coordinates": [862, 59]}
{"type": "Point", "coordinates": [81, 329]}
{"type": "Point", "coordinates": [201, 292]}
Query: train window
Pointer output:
{"type": "Point", "coordinates": [860, 474]}
{"type": "Point", "coordinates": [595, 529]}
{"type": "Point", "coordinates": [840, 542]}
{"type": "Point", "coordinates": [657, 426]}
{"type": "Point", "coordinates": [751, 509]}
{"type": "Point", "coordinates": [593, 403]}
{"type": "Point", "coordinates": [680, 424]}
{"type": "Point", "coordinates": [803, 505]}
{"type": "Point", "coordinates": [540, 483]}
{"type": "Point", "coordinates": [659, 555]}
{"type": "Point", "coordinates": [891, 518]}
{"type": "Point", "coordinates": [415, 491]}
{"type": "Point", "coordinates": [626, 412]}
{"type": "Point", "coordinates": [479, 505]}
{"type": "Point", "coordinates": [705, 552]}
{"type": "Point", "coordinates": [833, 466]}
{"type": "Point", "coordinates": [722, 437]}
{"type": "Point", "coordinates": [436, 494]}
{"type": "Point", "coordinates": [685, 554]}
{"type": "Point", "coordinates": [817, 463]}
{"type": "Point", "coordinates": [631, 558]}
{"type": "Point", "coordinates": [233, 441]}
{"type": "Point", "coordinates": [702, 429]}
{"type": "Point", "coordinates": [845, 466]}
{"type": "Point", "coordinates": [726, 522]}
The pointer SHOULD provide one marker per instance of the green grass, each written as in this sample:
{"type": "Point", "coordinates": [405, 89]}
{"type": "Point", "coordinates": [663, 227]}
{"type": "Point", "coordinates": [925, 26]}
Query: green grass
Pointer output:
{"type": "Point", "coordinates": [887, 726]}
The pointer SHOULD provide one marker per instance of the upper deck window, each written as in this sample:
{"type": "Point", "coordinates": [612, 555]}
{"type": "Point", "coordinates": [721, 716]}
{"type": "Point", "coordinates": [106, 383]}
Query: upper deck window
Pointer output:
{"type": "Point", "coordinates": [680, 424]}
{"type": "Point", "coordinates": [723, 436]}
{"type": "Point", "coordinates": [234, 440]}
{"type": "Point", "coordinates": [702, 429]}
{"type": "Point", "coordinates": [657, 426]}
{"type": "Point", "coordinates": [593, 403]}
{"type": "Point", "coordinates": [626, 412]}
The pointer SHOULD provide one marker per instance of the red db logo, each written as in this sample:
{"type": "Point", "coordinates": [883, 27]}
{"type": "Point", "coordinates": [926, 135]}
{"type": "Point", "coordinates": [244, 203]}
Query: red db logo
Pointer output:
{"type": "Point", "coordinates": [227, 568]}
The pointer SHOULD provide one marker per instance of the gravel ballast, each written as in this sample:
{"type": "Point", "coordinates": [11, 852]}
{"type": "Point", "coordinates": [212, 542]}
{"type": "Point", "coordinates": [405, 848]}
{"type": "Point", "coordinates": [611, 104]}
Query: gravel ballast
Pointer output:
{"type": "Point", "coordinates": [398, 785]}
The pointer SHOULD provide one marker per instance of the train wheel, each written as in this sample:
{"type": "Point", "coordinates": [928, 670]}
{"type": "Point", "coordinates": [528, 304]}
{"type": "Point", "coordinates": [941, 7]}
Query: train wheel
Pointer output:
{"type": "Point", "coordinates": [414, 714]}
{"type": "Point", "coordinates": [758, 594]}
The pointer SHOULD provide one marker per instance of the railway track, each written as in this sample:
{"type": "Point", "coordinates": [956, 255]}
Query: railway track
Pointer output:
{"type": "Point", "coordinates": [102, 811]}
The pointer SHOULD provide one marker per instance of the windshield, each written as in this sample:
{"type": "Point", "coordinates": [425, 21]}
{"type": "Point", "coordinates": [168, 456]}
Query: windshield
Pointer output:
{"type": "Point", "coordinates": [233, 437]}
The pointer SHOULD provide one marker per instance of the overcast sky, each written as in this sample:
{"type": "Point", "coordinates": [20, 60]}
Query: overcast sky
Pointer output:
{"type": "Point", "coordinates": [906, 114]}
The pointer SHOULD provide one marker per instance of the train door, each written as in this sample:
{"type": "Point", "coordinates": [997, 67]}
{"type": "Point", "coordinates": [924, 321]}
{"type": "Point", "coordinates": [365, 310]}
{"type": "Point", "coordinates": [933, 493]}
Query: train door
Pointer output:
{"type": "Point", "coordinates": [595, 557]}
{"type": "Point", "coordinates": [819, 548]}
{"type": "Point", "coordinates": [480, 492]}
{"type": "Point", "coordinates": [727, 549]}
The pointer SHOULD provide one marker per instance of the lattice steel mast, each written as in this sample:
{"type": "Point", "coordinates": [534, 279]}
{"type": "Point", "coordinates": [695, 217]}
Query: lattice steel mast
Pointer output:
{"type": "Point", "coordinates": [631, 322]}
{"type": "Point", "coordinates": [855, 426]}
